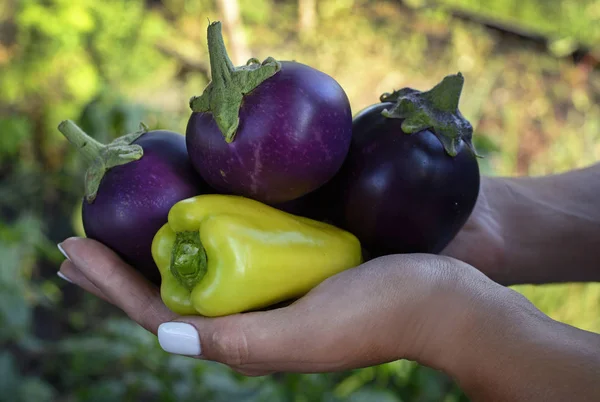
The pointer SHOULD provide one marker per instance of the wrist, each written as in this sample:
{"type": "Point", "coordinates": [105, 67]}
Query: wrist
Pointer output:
{"type": "Point", "coordinates": [461, 306]}
{"type": "Point", "coordinates": [469, 314]}
{"type": "Point", "coordinates": [507, 349]}
{"type": "Point", "coordinates": [499, 327]}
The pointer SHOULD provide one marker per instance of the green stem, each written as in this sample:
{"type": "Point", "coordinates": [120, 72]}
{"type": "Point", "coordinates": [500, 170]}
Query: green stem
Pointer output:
{"type": "Point", "coordinates": [436, 110]}
{"type": "Point", "coordinates": [445, 96]}
{"type": "Point", "coordinates": [101, 158]}
{"type": "Point", "coordinates": [224, 94]}
{"type": "Point", "coordinates": [86, 145]}
{"type": "Point", "coordinates": [189, 262]}
{"type": "Point", "coordinates": [221, 66]}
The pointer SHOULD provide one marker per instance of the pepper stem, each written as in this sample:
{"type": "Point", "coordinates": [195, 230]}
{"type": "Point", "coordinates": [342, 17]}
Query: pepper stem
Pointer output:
{"type": "Point", "coordinates": [189, 262]}
{"type": "Point", "coordinates": [101, 158]}
{"type": "Point", "coordinates": [224, 94]}
{"type": "Point", "coordinates": [436, 109]}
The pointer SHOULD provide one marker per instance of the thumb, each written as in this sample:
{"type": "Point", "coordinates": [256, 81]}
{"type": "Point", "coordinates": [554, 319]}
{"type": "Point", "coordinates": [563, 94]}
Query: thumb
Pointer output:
{"type": "Point", "coordinates": [255, 342]}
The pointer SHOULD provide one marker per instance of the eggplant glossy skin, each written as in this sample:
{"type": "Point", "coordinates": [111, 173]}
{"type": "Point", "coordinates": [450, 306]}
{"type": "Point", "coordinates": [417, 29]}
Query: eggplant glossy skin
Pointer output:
{"type": "Point", "coordinates": [294, 133]}
{"type": "Point", "coordinates": [134, 199]}
{"type": "Point", "coordinates": [402, 193]}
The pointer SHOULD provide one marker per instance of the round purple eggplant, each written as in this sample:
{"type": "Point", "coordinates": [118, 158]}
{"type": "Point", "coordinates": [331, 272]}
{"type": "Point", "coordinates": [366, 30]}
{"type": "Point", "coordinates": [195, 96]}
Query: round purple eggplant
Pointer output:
{"type": "Point", "coordinates": [411, 178]}
{"type": "Point", "coordinates": [272, 131]}
{"type": "Point", "coordinates": [130, 186]}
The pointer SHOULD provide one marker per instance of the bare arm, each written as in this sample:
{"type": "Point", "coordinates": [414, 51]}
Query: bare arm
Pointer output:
{"type": "Point", "coordinates": [510, 351]}
{"type": "Point", "coordinates": [550, 226]}
{"type": "Point", "coordinates": [535, 229]}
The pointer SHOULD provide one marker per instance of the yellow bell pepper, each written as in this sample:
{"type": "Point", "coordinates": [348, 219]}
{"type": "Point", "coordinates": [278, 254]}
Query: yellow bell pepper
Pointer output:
{"type": "Point", "coordinates": [225, 254]}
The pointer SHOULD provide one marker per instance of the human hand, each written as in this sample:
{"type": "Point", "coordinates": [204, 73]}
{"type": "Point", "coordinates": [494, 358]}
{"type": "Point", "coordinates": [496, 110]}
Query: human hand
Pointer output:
{"type": "Point", "coordinates": [434, 310]}
{"type": "Point", "coordinates": [480, 242]}
{"type": "Point", "coordinates": [534, 229]}
{"type": "Point", "coordinates": [394, 307]}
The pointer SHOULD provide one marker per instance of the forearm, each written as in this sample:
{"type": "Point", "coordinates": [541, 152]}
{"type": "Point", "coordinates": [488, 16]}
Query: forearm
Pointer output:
{"type": "Point", "coordinates": [512, 352]}
{"type": "Point", "coordinates": [550, 226]}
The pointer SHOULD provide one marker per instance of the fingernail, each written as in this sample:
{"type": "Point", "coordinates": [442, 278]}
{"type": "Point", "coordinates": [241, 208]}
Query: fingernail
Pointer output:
{"type": "Point", "coordinates": [63, 251]}
{"type": "Point", "coordinates": [179, 338]}
{"type": "Point", "coordinates": [61, 275]}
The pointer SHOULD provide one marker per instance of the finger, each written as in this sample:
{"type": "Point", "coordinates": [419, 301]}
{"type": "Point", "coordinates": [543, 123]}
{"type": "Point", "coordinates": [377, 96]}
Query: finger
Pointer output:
{"type": "Point", "coordinates": [125, 287]}
{"type": "Point", "coordinates": [73, 275]}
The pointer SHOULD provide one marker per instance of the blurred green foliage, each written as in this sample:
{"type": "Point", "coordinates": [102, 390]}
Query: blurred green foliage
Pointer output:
{"type": "Point", "coordinates": [565, 23]}
{"type": "Point", "coordinates": [110, 65]}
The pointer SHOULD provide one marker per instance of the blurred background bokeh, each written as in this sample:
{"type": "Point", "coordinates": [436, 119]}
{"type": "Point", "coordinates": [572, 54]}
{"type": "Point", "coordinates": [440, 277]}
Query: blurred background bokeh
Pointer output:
{"type": "Point", "coordinates": [532, 90]}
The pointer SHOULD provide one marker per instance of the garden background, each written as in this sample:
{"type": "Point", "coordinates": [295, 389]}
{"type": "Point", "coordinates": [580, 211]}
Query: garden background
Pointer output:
{"type": "Point", "coordinates": [532, 90]}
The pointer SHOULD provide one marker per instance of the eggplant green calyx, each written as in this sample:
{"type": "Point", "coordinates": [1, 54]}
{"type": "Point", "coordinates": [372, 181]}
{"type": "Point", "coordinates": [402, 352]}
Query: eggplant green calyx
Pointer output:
{"type": "Point", "coordinates": [188, 259]}
{"type": "Point", "coordinates": [435, 109]}
{"type": "Point", "coordinates": [223, 95]}
{"type": "Point", "coordinates": [102, 157]}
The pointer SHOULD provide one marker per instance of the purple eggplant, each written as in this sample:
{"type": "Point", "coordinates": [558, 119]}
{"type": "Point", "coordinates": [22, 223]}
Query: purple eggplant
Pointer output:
{"type": "Point", "coordinates": [272, 131]}
{"type": "Point", "coordinates": [411, 178]}
{"type": "Point", "coordinates": [130, 186]}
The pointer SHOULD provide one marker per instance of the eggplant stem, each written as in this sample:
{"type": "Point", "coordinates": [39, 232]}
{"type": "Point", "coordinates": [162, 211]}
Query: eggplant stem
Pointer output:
{"type": "Point", "coordinates": [445, 96]}
{"type": "Point", "coordinates": [86, 145]}
{"type": "Point", "coordinates": [100, 157]}
{"type": "Point", "coordinates": [224, 94]}
{"type": "Point", "coordinates": [435, 109]}
{"type": "Point", "coordinates": [221, 66]}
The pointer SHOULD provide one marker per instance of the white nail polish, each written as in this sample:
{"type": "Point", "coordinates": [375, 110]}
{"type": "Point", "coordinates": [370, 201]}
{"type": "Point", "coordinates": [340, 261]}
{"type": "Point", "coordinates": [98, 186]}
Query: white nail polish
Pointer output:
{"type": "Point", "coordinates": [63, 251]}
{"type": "Point", "coordinates": [179, 338]}
{"type": "Point", "coordinates": [61, 275]}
